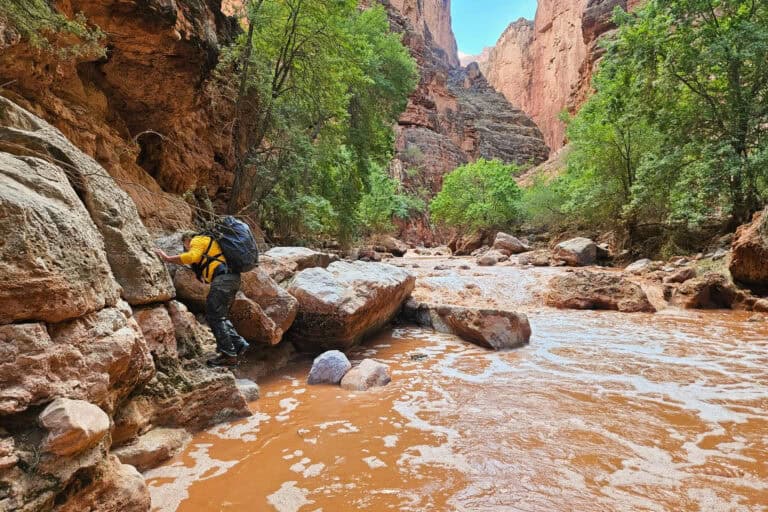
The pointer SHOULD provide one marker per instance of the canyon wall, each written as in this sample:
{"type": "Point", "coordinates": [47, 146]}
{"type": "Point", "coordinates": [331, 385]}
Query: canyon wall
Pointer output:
{"type": "Point", "coordinates": [144, 110]}
{"type": "Point", "coordinates": [545, 67]}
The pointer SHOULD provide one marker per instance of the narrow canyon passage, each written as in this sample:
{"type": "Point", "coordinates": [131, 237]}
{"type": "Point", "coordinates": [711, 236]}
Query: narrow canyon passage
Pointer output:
{"type": "Point", "coordinates": [602, 411]}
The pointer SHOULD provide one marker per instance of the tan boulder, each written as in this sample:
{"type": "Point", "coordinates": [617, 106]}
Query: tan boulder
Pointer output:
{"type": "Point", "coordinates": [73, 426]}
{"type": "Point", "coordinates": [750, 253]}
{"type": "Point", "coordinates": [53, 264]}
{"type": "Point", "coordinates": [129, 248]}
{"type": "Point", "coordinates": [368, 374]}
{"type": "Point", "coordinates": [681, 276]}
{"type": "Point", "coordinates": [8, 456]}
{"type": "Point", "coordinates": [576, 252]}
{"type": "Point", "coordinates": [113, 487]}
{"type": "Point", "coordinates": [191, 336]}
{"type": "Point", "coordinates": [100, 357]}
{"type": "Point", "coordinates": [341, 305]}
{"type": "Point", "coordinates": [153, 448]}
{"type": "Point", "coordinates": [261, 312]}
{"type": "Point", "coordinates": [710, 291]}
{"type": "Point", "coordinates": [158, 329]}
{"type": "Point", "coordinates": [132, 419]}
{"type": "Point", "coordinates": [540, 258]}
{"type": "Point", "coordinates": [597, 290]}
{"type": "Point", "coordinates": [508, 244]}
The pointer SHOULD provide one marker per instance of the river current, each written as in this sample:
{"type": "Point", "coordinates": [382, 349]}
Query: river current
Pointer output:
{"type": "Point", "coordinates": [601, 412]}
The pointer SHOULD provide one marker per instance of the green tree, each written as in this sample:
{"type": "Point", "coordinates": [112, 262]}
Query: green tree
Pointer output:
{"type": "Point", "coordinates": [317, 86]}
{"type": "Point", "coordinates": [384, 202]}
{"type": "Point", "coordinates": [479, 195]}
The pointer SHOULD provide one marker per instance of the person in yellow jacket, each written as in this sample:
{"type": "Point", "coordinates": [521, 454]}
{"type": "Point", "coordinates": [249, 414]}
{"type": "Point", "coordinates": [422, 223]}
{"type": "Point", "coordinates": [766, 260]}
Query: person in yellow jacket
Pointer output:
{"type": "Point", "coordinates": [204, 255]}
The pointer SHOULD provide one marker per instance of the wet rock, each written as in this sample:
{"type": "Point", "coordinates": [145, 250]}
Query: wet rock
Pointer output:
{"type": "Point", "coordinates": [540, 258]}
{"type": "Point", "coordinates": [681, 275]}
{"type": "Point", "coordinates": [597, 290]}
{"type": "Point", "coordinates": [368, 374]}
{"type": "Point", "coordinates": [757, 317]}
{"type": "Point", "coordinates": [128, 246]}
{"type": "Point", "coordinates": [329, 368]}
{"type": "Point", "coordinates": [73, 426]}
{"type": "Point", "coordinates": [112, 487]}
{"type": "Point", "coordinates": [48, 238]}
{"type": "Point", "coordinates": [100, 358]}
{"type": "Point", "coordinates": [508, 244]}
{"type": "Point", "coordinates": [577, 252]}
{"type": "Point", "coordinates": [341, 305]}
{"type": "Point", "coordinates": [158, 330]}
{"type": "Point", "coordinates": [153, 448]}
{"type": "Point", "coordinates": [750, 253]}
{"type": "Point", "coordinates": [639, 266]}
{"type": "Point", "coordinates": [760, 305]}
{"type": "Point", "coordinates": [249, 389]}
{"type": "Point", "coordinates": [464, 267]}
{"type": "Point", "coordinates": [711, 291]}
{"type": "Point", "coordinates": [719, 254]}
{"type": "Point", "coordinates": [489, 328]}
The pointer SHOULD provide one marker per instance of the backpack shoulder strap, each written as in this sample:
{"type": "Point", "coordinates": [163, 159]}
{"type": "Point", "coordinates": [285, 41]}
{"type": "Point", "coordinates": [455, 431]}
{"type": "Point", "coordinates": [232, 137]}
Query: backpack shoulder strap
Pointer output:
{"type": "Point", "coordinates": [202, 268]}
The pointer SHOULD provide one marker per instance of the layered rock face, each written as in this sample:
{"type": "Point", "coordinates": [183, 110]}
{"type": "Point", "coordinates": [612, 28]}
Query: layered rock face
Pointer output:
{"type": "Point", "coordinates": [75, 357]}
{"type": "Point", "coordinates": [454, 116]}
{"type": "Point", "coordinates": [144, 112]}
{"type": "Point", "coordinates": [545, 66]}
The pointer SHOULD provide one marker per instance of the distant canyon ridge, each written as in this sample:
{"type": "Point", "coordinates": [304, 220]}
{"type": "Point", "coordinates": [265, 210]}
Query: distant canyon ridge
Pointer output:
{"type": "Point", "coordinates": [545, 66]}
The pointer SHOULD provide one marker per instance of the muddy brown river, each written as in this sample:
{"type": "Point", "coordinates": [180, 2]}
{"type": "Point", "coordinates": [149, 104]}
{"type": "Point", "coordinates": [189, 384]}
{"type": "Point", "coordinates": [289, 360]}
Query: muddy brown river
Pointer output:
{"type": "Point", "coordinates": [601, 412]}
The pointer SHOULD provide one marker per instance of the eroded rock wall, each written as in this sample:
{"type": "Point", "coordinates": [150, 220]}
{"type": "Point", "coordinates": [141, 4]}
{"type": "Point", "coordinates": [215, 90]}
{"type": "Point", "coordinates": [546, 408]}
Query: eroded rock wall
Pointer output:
{"type": "Point", "coordinates": [145, 111]}
{"type": "Point", "coordinates": [74, 263]}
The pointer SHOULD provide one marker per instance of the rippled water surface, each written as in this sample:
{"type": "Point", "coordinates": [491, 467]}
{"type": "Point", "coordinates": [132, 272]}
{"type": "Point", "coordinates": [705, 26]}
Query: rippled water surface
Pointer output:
{"type": "Point", "coordinates": [603, 411]}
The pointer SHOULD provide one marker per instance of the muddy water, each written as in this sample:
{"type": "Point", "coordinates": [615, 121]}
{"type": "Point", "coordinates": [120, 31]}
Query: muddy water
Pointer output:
{"type": "Point", "coordinates": [603, 411]}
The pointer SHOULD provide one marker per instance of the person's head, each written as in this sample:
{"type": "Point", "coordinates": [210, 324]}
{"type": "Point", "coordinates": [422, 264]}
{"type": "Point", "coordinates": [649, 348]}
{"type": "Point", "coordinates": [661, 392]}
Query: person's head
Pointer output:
{"type": "Point", "coordinates": [186, 238]}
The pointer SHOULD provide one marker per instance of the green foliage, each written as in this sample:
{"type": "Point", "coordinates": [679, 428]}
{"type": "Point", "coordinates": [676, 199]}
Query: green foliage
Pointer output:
{"type": "Point", "coordinates": [37, 22]}
{"type": "Point", "coordinates": [317, 86]}
{"type": "Point", "coordinates": [675, 136]}
{"type": "Point", "coordinates": [384, 202]}
{"type": "Point", "coordinates": [479, 195]}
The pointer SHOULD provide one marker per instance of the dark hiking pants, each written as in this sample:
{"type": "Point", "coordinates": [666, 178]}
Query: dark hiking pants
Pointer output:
{"type": "Point", "coordinates": [224, 287]}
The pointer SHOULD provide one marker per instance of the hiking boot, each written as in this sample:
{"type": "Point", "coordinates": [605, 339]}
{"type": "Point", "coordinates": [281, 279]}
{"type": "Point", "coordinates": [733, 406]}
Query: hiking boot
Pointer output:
{"type": "Point", "coordinates": [222, 360]}
{"type": "Point", "coordinates": [242, 349]}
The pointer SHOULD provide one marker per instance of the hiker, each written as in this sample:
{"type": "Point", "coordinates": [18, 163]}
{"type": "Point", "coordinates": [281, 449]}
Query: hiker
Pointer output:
{"type": "Point", "coordinates": [205, 256]}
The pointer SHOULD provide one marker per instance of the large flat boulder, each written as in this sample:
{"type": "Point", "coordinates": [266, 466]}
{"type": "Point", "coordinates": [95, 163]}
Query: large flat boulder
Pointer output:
{"type": "Point", "coordinates": [100, 357]}
{"type": "Point", "coordinates": [341, 305]}
{"type": "Point", "coordinates": [577, 252]}
{"type": "Point", "coordinates": [129, 248]}
{"type": "Point", "coordinates": [53, 265]}
{"type": "Point", "coordinates": [597, 290]}
{"type": "Point", "coordinates": [749, 255]}
{"type": "Point", "coordinates": [282, 263]}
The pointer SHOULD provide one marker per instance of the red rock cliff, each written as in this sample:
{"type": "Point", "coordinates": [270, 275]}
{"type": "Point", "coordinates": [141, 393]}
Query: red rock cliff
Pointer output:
{"type": "Point", "coordinates": [545, 66]}
{"type": "Point", "coordinates": [144, 111]}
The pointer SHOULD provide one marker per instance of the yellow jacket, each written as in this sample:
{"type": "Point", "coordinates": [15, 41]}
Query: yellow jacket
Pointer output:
{"type": "Point", "coordinates": [196, 255]}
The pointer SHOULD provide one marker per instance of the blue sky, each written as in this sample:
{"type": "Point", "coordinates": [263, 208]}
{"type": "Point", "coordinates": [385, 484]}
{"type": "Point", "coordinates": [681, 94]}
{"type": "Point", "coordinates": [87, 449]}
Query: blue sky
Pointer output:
{"type": "Point", "coordinates": [479, 23]}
